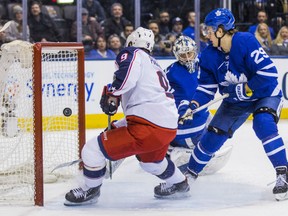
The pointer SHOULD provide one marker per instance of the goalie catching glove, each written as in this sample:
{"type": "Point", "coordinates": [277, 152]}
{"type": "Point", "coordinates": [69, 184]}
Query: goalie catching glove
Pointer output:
{"type": "Point", "coordinates": [109, 103]}
{"type": "Point", "coordinates": [238, 92]}
{"type": "Point", "coordinates": [185, 111]}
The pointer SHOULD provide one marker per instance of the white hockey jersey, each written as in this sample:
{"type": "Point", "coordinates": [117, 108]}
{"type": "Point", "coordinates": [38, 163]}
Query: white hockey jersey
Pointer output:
{"type": "Point", "coordinates": [144, 88]}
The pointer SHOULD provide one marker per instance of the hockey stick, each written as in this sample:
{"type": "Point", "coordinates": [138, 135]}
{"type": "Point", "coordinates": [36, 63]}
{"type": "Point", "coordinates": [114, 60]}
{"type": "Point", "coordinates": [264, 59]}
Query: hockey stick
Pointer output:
{"type": "Point", "coordinates": [67, 164]}
{"type": "Point", "coordinates": [7, 24]}
{"type": "Point", "coordinates": [109, 162]}
{"type": "Point", "coordinates": [190, 112]}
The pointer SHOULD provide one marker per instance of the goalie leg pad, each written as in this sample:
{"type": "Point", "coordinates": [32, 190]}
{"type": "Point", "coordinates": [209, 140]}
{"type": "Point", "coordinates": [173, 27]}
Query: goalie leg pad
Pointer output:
{"type": "Point", "coordinates": [180, 156]}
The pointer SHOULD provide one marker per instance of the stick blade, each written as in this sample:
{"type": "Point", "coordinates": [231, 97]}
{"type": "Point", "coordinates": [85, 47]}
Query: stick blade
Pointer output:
{"type": "Point", "coordinates": [66, 164]}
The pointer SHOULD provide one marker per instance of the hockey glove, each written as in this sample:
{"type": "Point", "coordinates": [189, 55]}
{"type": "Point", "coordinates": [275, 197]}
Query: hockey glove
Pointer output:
{"type": "Point", "coordinates": [237, 92]}
{"type": "Point", "coordinates": [109, 103]}
{"type": "Point", "coordinates": [185, 111]}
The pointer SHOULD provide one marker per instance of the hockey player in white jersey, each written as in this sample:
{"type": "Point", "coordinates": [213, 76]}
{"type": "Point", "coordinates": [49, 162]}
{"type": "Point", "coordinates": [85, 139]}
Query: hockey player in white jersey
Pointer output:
{"type": "Point", "coordinates": [150, 118]}
{"type": "Point", "coordinates": [182, 76]}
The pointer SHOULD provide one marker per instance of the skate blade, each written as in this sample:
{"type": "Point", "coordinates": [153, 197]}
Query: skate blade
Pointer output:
{"type": "Point", "coordinates": [89, 202]}
{"type": "Point", "coordinates": [281, 196]}
{"type": "Point", "coordinates": [179, 195]}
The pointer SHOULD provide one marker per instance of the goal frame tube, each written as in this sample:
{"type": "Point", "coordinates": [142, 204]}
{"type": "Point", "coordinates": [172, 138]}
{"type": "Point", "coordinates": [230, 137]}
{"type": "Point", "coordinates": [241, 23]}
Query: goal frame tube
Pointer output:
{"type": "Point", "coordinates": [37, 105]}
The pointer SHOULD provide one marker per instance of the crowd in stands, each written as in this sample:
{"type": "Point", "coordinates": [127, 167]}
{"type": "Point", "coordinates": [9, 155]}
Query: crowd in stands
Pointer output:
{"type": "Point", "coordinates": [105, 30]}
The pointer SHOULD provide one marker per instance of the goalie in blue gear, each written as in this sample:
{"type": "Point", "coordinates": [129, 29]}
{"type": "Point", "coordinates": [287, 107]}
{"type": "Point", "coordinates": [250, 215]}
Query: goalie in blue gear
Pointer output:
{"type": "Point", "coordinates": [182, 76]}
{"type": "Point", "coordinates": [235, 63]}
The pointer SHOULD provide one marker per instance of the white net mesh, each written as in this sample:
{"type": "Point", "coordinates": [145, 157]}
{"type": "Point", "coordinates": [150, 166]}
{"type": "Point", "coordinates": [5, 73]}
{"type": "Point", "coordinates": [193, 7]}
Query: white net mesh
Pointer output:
{"type": "Point", "coordinates": [59, 115]}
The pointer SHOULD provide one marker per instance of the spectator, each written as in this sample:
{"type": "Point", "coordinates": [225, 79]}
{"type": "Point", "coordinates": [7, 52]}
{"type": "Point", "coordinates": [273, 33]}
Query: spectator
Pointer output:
{"type": "Point", "coordinates": [128, 29]}
{"type": "Point", "coordinates": [280, 44]}
{"type": "Point", "coordinates": [15, 30]}
{"type": "Point", "coordinates": [279, 21]}
{"type": "Point", "coordinates": [158, 49]}
{"type": "Point", "coordinates": [114, 43]}
{"type": "Point", "coordinates": [204, 42]}
{"type": "Point", "coordinates": [164, 22]}
{"type": "Point", "coordinates": [190, 29]}
{"type": "Point", "coordinates": [261, 18]}
{"type": "Point", "coordinates": [42, 27]}
{"type": "Point", "coordinates": [262, 34]}
{"type": "Point", "coordinates": [95, 9]}
{"type": "Point", "coordinates": [3, 11]}
{"type": "Point", "coordinates": [2, 36]}
{"type": "Point", "coordinates": [115, 24]}
{"type": "Point", "coordinates": [91, 29]}
{"type": "Point", "coordinates": [169, 41]}
{"type": "Point", "coordinates": [177, 26]}
{"type": "Point", "coordinates": [100, 50]}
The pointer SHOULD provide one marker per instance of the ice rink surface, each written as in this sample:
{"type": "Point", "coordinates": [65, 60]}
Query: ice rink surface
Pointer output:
{"type": "Point", "coordinates": [240, 188]}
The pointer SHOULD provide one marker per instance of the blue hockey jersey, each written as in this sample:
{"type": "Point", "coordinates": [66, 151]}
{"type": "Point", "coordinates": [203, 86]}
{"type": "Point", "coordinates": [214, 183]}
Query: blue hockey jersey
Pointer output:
{"type": "Point", "coordinates": [184, 85]}
{"type": "Point", "coordinates": [246, 62]}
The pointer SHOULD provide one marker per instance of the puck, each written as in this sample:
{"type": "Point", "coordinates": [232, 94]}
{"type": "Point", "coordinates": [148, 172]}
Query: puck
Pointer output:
{"type": "Point", "coordinates": [67, 112]}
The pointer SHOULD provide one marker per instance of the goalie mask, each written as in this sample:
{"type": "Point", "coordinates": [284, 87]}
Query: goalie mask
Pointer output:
{"type": "Point", "coordinates": [141, 38]}
{"type": "Point", "coordinates": [185, 51]}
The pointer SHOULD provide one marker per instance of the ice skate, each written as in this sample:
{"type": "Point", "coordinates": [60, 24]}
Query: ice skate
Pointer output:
{"type": "Point", "coordinates": [78, 196]}
{"type": "Point", "coordinates": [166, 191]}
{"type": "Point", "coordinates": [281, 188]}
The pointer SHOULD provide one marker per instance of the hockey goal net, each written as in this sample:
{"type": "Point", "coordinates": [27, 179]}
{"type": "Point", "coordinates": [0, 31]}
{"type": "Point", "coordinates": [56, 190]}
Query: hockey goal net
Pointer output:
{"type": "Point", "coordinates": [42, 101]}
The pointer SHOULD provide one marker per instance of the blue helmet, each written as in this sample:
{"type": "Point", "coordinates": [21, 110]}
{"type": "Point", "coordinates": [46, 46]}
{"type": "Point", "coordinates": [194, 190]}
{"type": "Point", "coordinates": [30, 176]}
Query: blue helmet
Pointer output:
{"type": "Point", "coordinates": [220, 16]}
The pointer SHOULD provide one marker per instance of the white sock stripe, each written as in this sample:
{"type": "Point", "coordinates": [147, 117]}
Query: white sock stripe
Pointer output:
{"type": "Point", "coordinates": [275, 151]}
{"type": "Point", "coordinates": [201, 150]}
{"type": "Point", "coordinates": [270, 140]}
{"type": "Point", "coordinates": [93, 168]}
{"type": "Point", "coordinates": [197, 160]}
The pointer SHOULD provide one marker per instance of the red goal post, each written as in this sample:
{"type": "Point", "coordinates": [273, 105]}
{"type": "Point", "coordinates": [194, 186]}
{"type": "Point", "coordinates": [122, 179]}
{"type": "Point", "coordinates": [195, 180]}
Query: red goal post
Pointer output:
{"type": "Point", "coordinates": [42, 91]}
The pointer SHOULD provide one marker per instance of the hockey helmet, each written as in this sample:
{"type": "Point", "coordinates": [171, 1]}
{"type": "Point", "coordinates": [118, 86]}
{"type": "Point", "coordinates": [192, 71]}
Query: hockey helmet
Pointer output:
{"type": "Point", "coordinates": [141, 38]}
{"type": "Point", "coordinates": [217, 17]}
{"type": "Point", "coordinates": [185, 51]}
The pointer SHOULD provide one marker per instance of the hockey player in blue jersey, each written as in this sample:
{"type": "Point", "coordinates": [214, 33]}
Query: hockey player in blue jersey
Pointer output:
{"type": "Point", "coordinates": [182, 76]}
{"type": "Point", "coordinates": [235, 63]}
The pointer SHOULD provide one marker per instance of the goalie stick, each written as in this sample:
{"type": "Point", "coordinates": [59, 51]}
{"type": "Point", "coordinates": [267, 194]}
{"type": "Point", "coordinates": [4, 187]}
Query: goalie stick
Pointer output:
{"type": "Point", "coordinates": [7, 24]}
{"type": "Point", "coordinates": [189, 112]}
